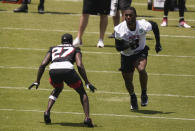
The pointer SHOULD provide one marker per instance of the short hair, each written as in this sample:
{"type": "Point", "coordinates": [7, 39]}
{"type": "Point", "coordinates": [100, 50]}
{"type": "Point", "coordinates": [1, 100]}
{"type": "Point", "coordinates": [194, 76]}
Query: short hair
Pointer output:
{"type": "Point", "coordinates": [66, 39]}
{"type": "Point", "coordinates": [131, 8]}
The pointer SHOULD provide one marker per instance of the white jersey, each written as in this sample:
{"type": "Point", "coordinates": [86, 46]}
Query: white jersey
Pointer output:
{"type": "Point", "coordinates": [123, 32]}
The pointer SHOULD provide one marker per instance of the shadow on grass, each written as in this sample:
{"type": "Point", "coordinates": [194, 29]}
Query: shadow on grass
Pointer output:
{"type": "Point", "coordinates": [70, 124]}
{"type": "Point", "coordinates": [2, 10]}
{"type": "Point", "coordinates": [57, 13]}
{"type": "Point", "coordinates": [149, 38]}
{"type": "Point", "coordinates": [152, 112]}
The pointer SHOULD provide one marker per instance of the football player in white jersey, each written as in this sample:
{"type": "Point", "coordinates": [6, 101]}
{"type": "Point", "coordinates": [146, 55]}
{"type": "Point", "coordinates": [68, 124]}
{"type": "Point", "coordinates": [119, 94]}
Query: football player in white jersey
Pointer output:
{"type": "Point", "coordinates": [130, 40]}
{"type": "Point", "coordinates": [62, 58]}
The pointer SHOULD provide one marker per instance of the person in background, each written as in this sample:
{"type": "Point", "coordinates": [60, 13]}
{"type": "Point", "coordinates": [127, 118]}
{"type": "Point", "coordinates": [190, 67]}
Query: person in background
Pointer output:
{"type": "Point", "coordinates": [121, 6]}
{"type": "Point", "coordinates": [24, 7]}
{"type": "Point", "coordinates": [130, 40]}
{"type": "Point", "coordinates": [62, 57]}
{"type": "Point", "coordinates": [181, 6]}
{"type": "Point", "coordinates": [93, 7]}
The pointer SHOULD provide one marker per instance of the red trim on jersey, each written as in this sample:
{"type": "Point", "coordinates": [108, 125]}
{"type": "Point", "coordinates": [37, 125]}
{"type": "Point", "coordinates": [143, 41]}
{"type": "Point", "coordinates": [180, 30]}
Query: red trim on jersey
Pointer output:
{"type": "Point", "coordinates": [58, 85]}
{"type": "Point", "coordinates": [71, 52]}
{"type": "Point", "coordinates": [76, 85]}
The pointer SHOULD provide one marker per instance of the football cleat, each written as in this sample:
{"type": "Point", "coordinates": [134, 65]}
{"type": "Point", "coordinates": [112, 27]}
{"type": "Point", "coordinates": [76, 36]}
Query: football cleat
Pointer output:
{"type": "Point", "coordinates": [47, 118]}
{"type": "Point", "coordinates": [77, 42]}
{"type": "Point", "coordinates": [41, 9]}
{"type": "Point", "coordinates": [100, 44]}
{"type": "Point", "coordinates": [88, 122]}
{"type": "Point", "coordinates": [22, 8]}
{"type": "Point", "coordinates": [111, 36]}
{"type": "Point", "coordinates": [183, 24]}
{"type": "Point", "coordinates": [164, 22]}
{"type": "Point", "coordinates": [134, 105]}
{"type": "Point", "coordinates": [144, 100]}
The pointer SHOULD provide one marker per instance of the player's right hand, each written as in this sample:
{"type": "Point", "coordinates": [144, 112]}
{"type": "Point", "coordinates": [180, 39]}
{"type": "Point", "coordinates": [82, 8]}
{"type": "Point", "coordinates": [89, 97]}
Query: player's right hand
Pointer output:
{"type": "Point", "coordinates": [91, 87]}
{"type": "Point", "coordinates": [34, 84]}
{"type": "Point", "coordinates": [158, 48]}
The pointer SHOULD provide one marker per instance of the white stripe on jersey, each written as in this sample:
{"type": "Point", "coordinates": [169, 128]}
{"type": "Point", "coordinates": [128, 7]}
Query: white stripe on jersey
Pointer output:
{"type": "Point", "coordinates": [61, 65]}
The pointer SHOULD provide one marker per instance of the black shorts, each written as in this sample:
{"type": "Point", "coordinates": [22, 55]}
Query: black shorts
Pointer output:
{"type": "Point", "coordinates": [95, 7]}
{"type": "Point", "coordinates": [128, 62]}
{"type": "Point", "coordinates": [69, 76]}
{"type": "Point", "coordinates": [123, 4]}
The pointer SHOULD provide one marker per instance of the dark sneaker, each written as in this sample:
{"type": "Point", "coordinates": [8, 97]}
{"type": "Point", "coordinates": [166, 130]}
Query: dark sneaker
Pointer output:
{"type": "Point", "coordinates": [144, 100]}
{"type": "Point", "coordinates": [88, 122]}
{"type": "Point", "coordinates": [40, 9]}
{"type": "Point", "coordinates": [47, 118]}
{"type": "Point", "coordinates": [22, 8]}
{"type": "Point", "coordinates": [134, 105]}
{"type": "Point", "coordinates": [111, 36]}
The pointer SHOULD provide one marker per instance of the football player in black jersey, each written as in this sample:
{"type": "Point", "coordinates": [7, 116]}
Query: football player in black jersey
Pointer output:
{"type": "Point", "coordinates": [62, 58]}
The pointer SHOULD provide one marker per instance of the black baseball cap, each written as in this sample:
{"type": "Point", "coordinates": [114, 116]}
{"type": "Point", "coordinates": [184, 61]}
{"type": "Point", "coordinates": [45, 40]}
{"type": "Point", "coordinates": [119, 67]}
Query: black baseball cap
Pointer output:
{"type": "Point", "coordinates": [66, 39]}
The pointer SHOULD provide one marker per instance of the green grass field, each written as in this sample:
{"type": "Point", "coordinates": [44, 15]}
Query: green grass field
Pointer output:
{"type": "Point", "coordinates": [26, 37]}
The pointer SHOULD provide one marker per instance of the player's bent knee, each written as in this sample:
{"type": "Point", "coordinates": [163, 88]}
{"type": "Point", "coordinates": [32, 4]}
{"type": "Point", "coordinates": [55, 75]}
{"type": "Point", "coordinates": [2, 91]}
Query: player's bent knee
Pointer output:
{"type": "Point", "coordinates": [56, 92]}
{"type": "Point", "coordinates": [52, 97]}
{"type": "Point", "coordinates": [142, 72]}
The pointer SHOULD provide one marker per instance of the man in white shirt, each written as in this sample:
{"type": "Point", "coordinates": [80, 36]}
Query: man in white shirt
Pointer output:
{"type": "Point", "coordinates": [130, 40]}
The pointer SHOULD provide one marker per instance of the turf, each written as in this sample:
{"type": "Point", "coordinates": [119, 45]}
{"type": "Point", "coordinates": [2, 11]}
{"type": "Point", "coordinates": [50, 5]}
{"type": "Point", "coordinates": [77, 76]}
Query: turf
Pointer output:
{"type": "Point", "coordinates": [25, 39]}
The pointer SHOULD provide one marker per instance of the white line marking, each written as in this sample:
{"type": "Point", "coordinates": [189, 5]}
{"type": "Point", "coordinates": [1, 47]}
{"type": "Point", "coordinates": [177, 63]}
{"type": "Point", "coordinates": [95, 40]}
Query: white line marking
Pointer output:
{"type": "Point", "coordinates": [93, 71]}
{"type": "Point", "coordinates": [95, 52]}
{"type": "Point", "coordinates": [46, 30]}
{"type": "Point", "coordinates": [103, 114]}
{"type": "Point", "coordinates": [99, 92]}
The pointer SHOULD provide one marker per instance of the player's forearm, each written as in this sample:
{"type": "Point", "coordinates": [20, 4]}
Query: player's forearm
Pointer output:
{"type": "Point", "coordinates": [40, 73]}
{"type": "Point", "coordinates": [83, 74]}
{"type": "Point", "coordinates": [155, 31]}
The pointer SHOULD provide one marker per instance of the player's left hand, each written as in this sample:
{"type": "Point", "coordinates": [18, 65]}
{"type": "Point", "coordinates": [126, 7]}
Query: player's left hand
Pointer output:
{"type": "Point", "coordinates": [34, 84]}
{"type": "Point", "coordinates": [91, 87]}
{"type": "Point", "coordinates": [158, 48]}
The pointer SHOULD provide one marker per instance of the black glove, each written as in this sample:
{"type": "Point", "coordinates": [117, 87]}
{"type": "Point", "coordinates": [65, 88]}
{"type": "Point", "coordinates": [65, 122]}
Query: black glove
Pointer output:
{"type": "Point", "coordinates": [34, 84]}
{"type": "Point", "coordinates": [158, 48]}
{"type": "Point", "coordinates": [91, 87]}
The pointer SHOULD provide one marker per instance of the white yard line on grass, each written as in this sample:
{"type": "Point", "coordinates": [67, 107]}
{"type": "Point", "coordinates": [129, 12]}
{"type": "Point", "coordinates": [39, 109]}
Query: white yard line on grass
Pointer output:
{"type": "Point", "coordinates": [95, 71]}
{"type": "Point", "coordinates": [46, 30]}
{"type": "Point", "coordinates": [103, 114]}
{"type": "Point", "coordinates": [95, 52]}
{"type": "Point", "coordinates": [100, 92]}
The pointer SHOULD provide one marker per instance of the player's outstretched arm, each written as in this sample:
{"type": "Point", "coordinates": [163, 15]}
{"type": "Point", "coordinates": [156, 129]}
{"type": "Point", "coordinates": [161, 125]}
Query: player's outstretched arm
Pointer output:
{"type": "Point", "coordinates": [41, 70]}
{"type": "Point", "coordinates": [156, 32]}
{"type": "Point", "coordinates": [82, 72]}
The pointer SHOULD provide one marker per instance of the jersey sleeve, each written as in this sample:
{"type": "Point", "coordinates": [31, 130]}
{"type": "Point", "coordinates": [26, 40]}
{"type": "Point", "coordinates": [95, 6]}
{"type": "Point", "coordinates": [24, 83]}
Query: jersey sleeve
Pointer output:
{"type": "Point", "coordinates": [50, 50]}
{"type": "Point", "coordinates": [119, 31]}
{"type": "Point", "coordinates": [146, 25]}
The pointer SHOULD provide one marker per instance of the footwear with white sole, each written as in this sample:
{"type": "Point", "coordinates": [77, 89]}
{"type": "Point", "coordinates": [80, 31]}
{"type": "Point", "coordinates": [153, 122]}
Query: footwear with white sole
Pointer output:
{"type": "Point", "coordinates": [100, 44]}
{"type": "Point", "coordinates": [183, 24]}
{"type": "Point", "coordinates": [77, 42]}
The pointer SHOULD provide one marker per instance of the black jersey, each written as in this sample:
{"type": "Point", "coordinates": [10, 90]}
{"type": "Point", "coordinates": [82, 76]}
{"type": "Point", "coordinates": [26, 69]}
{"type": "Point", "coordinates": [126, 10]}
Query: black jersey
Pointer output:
{"type": "Point", "coordinates": [63, 56]}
